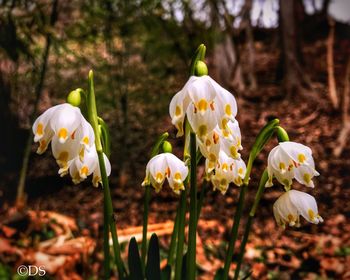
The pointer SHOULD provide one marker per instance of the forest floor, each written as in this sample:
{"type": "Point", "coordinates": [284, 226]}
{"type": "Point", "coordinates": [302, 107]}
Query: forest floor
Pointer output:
{"type": "Point", "coordinates": [309, 252]}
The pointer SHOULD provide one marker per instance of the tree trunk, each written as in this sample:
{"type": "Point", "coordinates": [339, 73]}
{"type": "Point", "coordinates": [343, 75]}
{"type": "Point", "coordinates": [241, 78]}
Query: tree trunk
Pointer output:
{"type": "Point", "coordinates": [250, 44]}
{"type": "Point", "coordinates": [332, 89]}
{"type": "Point", "coordinates": [293, 75]}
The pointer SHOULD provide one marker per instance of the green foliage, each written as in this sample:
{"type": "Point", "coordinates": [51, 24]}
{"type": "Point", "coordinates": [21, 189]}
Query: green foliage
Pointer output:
{"type": "Point", "coordinates": [153, 260]}
{"type": "Point", "coordinates": [134, 261]}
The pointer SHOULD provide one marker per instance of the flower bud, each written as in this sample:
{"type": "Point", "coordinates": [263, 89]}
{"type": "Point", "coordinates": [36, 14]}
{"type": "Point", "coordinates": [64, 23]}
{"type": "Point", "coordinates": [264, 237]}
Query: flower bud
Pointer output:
{"type": "Point", "coordinates": [282, 135]}
{"type": "Point", "coordinates": [74, 97]}
{"type": "Point", "coordinates": [167, 147]}
{"type": "Point", "coordinates": [201, 69]}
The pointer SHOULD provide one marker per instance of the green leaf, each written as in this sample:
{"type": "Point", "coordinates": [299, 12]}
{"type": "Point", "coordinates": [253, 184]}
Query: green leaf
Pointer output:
{"type": "Point", "coordinates": [166, 272]}
{"type": "Point", "coordinates": [153, 260]}
{"type": "Point", "coordinates": [184, 267]}
{"type": "Point", "coordinates": [134, 261]}
{"type": "Point", "coordinates": [105, 137]}
{"type": "Point", "coordinates": [219, 274]}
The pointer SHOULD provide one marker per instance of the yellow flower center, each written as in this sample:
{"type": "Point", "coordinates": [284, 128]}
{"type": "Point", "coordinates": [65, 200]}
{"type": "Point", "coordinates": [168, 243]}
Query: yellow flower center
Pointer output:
{"type": "Point", "coordinates": [202, 105]}
{"type": "Point", "coordinates": [62, 133]}
{"type": "Point", "coordinates": [228, 110]}
{"type": "Point", "coordinates": [301, 158]}
{"type": "Point", "coordinates": [202, 130]}
{"type": "Point", "coordinates": [177, 111]}
{"type": "Point", "coordinates": [40, 129]}
{"type": "Point", "coordinates": [84, 170]}
{"type": "Point", "coordinates": [86, 140]}
{"type": "Point", "coordinates": [311, 214]}
{"type": "Point", "coordinates": [307, 178]}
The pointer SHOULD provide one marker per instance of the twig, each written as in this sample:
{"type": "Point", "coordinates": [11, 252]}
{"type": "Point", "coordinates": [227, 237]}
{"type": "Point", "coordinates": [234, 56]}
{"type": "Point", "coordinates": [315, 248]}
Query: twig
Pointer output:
{"type": "Point", "coordinates": [343, 135]}
{"type": "Point", "coordinates": [330, 65]}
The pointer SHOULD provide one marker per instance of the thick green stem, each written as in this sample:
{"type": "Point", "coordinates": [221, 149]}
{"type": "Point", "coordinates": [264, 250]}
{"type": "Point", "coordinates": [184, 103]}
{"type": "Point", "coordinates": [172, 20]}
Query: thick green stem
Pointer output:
{"type": "Point", "coordinates": [181, 236]}
{"type": "Point", "coordinates": [106, 251]}
{"type": "Point", "coordinates": [172, 248]}
{"type": "Point", "coordinates": [252, 212]}
{"type": "Point", "coordinates": [234, 232]}
{"type": "Point", "coordinates": [262, 138]}
{"type": "Point", "coordinates": [145, 224]}
{"type": "Point", "coordinates": [108, 206]}
{"type": "Point", "coordinates": [154, 152]}
{"type": "Point", "coordinates": [192, 232]}
{"type": "Point", "coordinates": [201, 198]}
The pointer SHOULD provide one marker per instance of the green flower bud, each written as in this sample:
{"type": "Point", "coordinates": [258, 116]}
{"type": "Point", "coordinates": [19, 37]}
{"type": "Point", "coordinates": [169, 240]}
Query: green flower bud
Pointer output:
{"type": "Point", "coordinates": [74, 97]}
{"type": "Point", "coordinates": [167, 147]}
{"type": "Point", "coordinates": [282, 135]}
{"type": "Point", "coordinates": [201, 68]}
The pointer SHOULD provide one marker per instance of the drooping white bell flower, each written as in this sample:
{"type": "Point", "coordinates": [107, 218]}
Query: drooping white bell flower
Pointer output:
{"type": "Point", "coordinates": [62, 122]}
{"type": "Point", "coordinates": [65, 153]}
{"type": "Point", "coordinates": [96, 175]}
{"type": "Point", "coordinates": [72, 140]}
{"type": "Point", "coordinates": [231, 139]}
{"type": "Point", "coordinates": [239, 171]}
{"type": "Point", "coordinates": [227, 170]}
{"type": "Point", "coordinates": [206, 104]}
{"type": "Point", "coordinates": [166, 166]}
{"type": "Point", "coordinates": [291, 160]}
{"type": "Point", "coordinates": [65, 120]}
{"type": "Point", "coordinates": [289, 206]}
{"type": "Point", "coordinates": [210, 149]}
{"type": "Point", "coordinates": [88, 164]}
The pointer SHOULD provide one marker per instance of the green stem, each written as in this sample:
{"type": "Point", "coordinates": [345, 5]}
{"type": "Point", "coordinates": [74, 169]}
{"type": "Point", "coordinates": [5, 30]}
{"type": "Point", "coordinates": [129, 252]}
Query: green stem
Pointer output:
{"type": "Point", "coordinates": [234, 232]}
{"type": "Point", "coordinates": [181, 236]}
{"type": "Point", "coordinates": [145, 224]}
{"type": "Point", "coordinates": [192, 232]}
{"type": "Point", "coordinates": [262, 138]}
{"type": "Point", "coordinates": [109, 216]}
{"type": "Point", "coordinates": [252, 212]}
{"type": "Point", "coordinates": [201, 198]}
{"type": "Point", "coordinates": [106, 252]}
{"type": "Point", "coordinates": [108, 207]}
{"type": "Point", "coordinates": [172, 248]}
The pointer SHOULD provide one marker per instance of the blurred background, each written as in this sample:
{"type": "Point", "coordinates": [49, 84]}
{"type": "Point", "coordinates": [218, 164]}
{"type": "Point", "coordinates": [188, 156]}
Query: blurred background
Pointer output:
{"type": "Point", "coordinates": [285, 59]}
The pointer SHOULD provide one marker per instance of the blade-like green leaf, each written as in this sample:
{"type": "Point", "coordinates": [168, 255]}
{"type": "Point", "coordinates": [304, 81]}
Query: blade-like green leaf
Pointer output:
{"type": "Point", "coordinates": [219, 274]}
{"type": "Point", "coordinates": [134, 261]}
{"type": "Point", "coordinates": [166, 272]}
{"type": "Point", "coordinates": [153, 260]}
{"type": "Point", "coordinates": [184, 267]}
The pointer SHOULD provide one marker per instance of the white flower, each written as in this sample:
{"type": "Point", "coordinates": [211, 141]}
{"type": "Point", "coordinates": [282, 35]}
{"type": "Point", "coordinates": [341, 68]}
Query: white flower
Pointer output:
{"type": "Point", "coordinates": [64, 153]}
{"type": "Point", "coordinates": [289, 206]}
{"type": "Point", "coordinates": [88, 164]}
{"type": "Point", "coordinates": [291, 160]}
{"type": "Point", "coordinates": [227, 170]}
{"type": "Point", "coordinates": [210, 148]}
{"type": "Point", "coordinates": [166, 165]}
{"type": "Point", "coordinates": [62, 122]}
{"type": "Point", "coordinates": [72, 144]}
{"type": "Point", "coordinates": [206, 104]}
{"type": "Point", "coordinates": [231, 139]}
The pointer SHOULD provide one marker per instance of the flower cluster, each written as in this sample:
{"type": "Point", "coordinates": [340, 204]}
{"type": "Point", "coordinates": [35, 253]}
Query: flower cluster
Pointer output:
{"type": "Point", "coordinates": [72, 141]}
{"type": "Point", "coordinates": [166, 166]}
{"type": "Point", "coordinates": [211, 110]}
{"type": "Point", "coordinates": [288, 161]}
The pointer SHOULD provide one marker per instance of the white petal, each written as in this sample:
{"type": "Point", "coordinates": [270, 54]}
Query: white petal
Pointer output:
{"type": "Point", "coordinates": [85, 134]}
{"type": "Point", "coordinates": [298, 152]}
{"type": "Point", "coordinates": [285, 211]}
{"type": "Point", "coordinates": [202, 124]}
{"type": "Point", "coordinates": [304, 175]}
{"type": "Point", "coordinates": [41, 125]}
{"type": "Point", "coordinates": [64, 153]}
{"type": "Point", "coordinates": [65, 120]}
{"type": "Point", "coordinates": [306, 205]}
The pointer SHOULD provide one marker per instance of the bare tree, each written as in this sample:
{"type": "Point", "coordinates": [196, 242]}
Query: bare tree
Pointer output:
{"type": "Point", "coordinates": [294, 77]}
